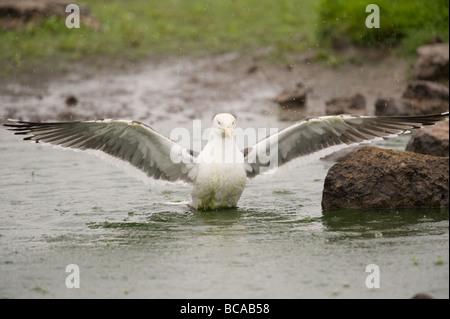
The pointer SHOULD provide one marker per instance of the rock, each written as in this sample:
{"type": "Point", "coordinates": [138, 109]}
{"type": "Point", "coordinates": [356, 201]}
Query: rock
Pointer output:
{"type": "Point", "coordinates": [390, 107]}
{"type": "Point", "coordinates": [432, 63]}
{"type": "Point", "coordinates": [292, 102]}
{"type": "Point", "coordinates": [420, 97]}
{"type": "Point", "coordinates": [355, 104]}
{"type": "Point", "coordinates": [375, 178]}
{"type": "Point", "coordinates": [18, 14]}
{"type": "Point", "coordinates": [431, 140]}
{"type": "Point", "coordinates": [425, 97]}
{"type": "Point", "coordinates": [293, 97]}
{"type": "Point", "coordinates": [252, 69]}
{"type": "Point", "coordinates": [71, 100]}
{"type": "Point", "coordinates": [426, 90]}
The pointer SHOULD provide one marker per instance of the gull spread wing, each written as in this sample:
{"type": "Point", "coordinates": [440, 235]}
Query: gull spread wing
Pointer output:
{"type": "Point", "coordinates": [129, 141]}
{"type": "Point", "coordinates": [317, 137]}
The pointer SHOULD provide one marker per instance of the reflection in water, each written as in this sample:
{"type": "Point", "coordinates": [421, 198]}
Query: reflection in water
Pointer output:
{"type": "Point", "coordinates": [225, 217]}
{"type": "Point", "coordinates": [341, 223]}
{"type": "Point", "coordinates": [386, 223]}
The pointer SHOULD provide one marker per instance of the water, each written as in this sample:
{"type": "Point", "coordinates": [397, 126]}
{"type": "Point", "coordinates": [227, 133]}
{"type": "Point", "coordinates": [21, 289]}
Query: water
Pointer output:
{"type": "Point", "coordinates": [132, 240]}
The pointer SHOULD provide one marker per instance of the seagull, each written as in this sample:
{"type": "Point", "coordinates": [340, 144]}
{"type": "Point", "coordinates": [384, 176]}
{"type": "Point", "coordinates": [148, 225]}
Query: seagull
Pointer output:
{"type": "Point", "coordinates": [218, 174]}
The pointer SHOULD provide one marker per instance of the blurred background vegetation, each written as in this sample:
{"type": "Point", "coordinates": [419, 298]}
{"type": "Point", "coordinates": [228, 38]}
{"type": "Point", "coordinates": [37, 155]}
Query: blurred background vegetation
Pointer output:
{"type": "Point", "coordinates": [407, 23]}
{"type": "Point", "coordinates": [136, 29]}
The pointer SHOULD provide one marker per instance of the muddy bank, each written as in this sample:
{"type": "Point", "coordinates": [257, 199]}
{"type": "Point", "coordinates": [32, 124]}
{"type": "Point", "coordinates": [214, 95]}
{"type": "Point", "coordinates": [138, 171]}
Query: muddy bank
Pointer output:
{"type": "Point", "coordinates": [159, 91]}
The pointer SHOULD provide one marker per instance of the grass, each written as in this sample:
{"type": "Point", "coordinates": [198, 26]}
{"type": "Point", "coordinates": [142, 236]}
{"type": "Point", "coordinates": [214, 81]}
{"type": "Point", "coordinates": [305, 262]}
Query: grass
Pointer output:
{"type": "Point", "coordinates": [140, 28]}
{"type": "Point", "coordinates": [136, 29]}
{"type": "Point", "coordinates": [407, 23]}
{"type": "Point", "coordinates": [439, 261]}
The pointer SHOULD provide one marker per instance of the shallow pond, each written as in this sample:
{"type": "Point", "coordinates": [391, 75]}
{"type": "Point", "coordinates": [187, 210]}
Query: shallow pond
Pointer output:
{"type": "Point", "coordinates": [132, 240]}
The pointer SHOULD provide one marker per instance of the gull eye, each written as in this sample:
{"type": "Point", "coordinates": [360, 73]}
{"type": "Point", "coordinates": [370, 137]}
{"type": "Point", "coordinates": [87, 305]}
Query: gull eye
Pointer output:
{"type": "Point", "coordinates": [233, 123]}
{"type": "Point", "coordinates": [218, 122]}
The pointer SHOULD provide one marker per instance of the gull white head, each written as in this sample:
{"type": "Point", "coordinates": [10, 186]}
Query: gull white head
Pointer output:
{"type": "Point", "coordinates": [225, 123]}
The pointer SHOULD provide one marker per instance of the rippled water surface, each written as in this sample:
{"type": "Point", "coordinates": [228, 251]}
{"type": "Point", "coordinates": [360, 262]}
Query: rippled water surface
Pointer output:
{"type": "Point", "coordinates": [132, 240]}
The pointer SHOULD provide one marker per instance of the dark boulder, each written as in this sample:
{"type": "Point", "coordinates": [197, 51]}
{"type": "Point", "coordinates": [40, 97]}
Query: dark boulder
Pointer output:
{"type": "Point", "coordinates": [71, 100]}
{"type": "Point", "coordinates": [292, 102]}
{"type": "Point", "coordinates": [420, 97]}
{"type": "Point", "coordinates": [390, 107]}
{"type": "Point", "coordinates": [375, 178]}
{"type": "Point", "coordinates": [355, 104]}
{"type": "Point", "coordinates": [425, 97]}
{"type": "Point", "coordinates": [293, 97]}
{"type": "Point", "coordinates": [432, 62]}
{"type": "Point", "coordinates": [426, 90]}
{"type": "Point", "coordinates": [431, 140]}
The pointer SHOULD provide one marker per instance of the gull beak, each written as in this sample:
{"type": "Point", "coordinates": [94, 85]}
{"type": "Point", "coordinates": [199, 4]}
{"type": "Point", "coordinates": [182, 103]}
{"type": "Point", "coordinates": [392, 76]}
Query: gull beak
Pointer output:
{"type": "Point", "coordinates": [228, 132]}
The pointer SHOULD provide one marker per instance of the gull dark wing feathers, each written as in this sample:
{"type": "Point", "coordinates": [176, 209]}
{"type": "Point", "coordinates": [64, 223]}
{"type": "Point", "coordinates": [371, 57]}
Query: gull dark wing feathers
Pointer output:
{"type": "Point", "coordinates": [129, 141]}
{"type": "Point", "coordinates": [324, 135]}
